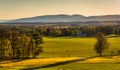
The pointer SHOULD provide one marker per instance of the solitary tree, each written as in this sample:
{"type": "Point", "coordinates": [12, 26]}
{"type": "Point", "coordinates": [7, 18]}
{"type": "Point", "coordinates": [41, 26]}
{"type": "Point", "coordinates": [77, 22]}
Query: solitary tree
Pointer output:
{"type": "Point", "coordinates": [101, 44]}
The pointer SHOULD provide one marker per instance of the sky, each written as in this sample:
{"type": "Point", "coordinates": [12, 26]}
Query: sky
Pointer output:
{"type": "Point", "coordinates": [14, 9]}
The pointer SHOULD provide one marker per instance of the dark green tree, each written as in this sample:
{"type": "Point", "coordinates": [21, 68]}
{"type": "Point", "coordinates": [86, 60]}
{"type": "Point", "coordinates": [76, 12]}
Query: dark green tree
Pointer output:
{"type": "Point", "coordinates": [101, 45]}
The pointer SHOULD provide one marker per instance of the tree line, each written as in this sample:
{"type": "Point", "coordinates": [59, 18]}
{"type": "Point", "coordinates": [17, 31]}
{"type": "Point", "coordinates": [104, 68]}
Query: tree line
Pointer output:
{"type": "Point", "coordinates": [88, 31]}
{"type": "Point", "coordinates": [58, 31]}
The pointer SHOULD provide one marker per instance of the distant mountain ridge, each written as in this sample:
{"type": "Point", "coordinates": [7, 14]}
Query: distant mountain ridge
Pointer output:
{"type": "Point", "coordinates": [1, 21]}
{"type": "Point", "coordinates": [67, 18]}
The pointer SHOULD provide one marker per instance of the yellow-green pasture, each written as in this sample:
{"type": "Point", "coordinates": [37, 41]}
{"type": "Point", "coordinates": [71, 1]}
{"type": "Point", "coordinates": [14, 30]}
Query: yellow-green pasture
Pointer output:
{"type": "Point", "coordinates": [75, 47]}
{"type": "Point", "coordinates": [64, 49]}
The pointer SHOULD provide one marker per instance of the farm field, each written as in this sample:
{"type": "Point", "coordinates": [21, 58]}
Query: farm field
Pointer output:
{"type": "Point", "coordinates": [60, 50]}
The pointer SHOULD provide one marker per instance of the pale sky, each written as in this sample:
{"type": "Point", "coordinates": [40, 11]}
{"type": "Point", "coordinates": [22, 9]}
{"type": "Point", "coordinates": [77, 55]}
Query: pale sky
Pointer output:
{"type": "Point", "coordinates": [14, 9]}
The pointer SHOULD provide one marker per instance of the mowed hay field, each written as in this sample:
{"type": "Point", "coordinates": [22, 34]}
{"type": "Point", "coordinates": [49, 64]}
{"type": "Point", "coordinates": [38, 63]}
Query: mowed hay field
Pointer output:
{"type": "Point", "coordinates": [63, 49]}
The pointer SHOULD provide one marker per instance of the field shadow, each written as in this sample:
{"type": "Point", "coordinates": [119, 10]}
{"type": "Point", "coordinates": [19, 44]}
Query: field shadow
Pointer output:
{"type": "Point", "coordinates": [57, 64]}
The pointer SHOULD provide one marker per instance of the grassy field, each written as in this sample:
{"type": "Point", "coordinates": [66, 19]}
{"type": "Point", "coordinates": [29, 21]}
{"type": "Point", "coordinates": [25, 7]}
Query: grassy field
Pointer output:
{"type": "Point", "coordinates": [67, 46]}
{"type": "Point", "coordinates": [60, 50]}
{"type": "Point", "coordinates": [97, 63]}
{"type": "Point", "coordinates": [86, 66]}
{"type": "Point", "coordinates": [75, 47]}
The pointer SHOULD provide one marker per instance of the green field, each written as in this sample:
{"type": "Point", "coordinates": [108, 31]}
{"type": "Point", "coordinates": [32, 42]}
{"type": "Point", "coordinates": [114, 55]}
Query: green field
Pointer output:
{"type": "Point", "coordinates": [60, 48]}
{"type": "Point", "coordinates": [75, 47]}
{"type": "Point", "coordinates": [79, 47]}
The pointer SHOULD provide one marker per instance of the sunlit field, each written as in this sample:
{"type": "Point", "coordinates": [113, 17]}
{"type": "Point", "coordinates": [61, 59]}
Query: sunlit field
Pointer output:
{"type": "Point", "coordinates": [68, 47]}
{"type": "Point", "coordinates": [60, 50]}
{"type": "Point", "coordinates": [75, 47]}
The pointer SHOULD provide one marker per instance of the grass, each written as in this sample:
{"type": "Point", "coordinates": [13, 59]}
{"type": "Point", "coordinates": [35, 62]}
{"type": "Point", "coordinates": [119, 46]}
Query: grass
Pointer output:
{"type": "Point", "coordinates": [36, 62]}
{"type": "Point", "coordinates": [75, 47]}
{"type": "Point", "coordinates": [65, 48]}
{"type": "Point", "coordinates": [97, 63]}
{"type": "Point", "coordinates": [86, 66]}
{"type": "Point", "coordinates": [81, 47]}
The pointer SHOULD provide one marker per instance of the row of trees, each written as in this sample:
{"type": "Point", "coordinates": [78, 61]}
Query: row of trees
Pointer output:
{"type": "Point", "coordinates": [73, 31]}
{"type": "Point", "coordinates": [88, 31]}
{"type": "Point", "coordinates": [14, 45]}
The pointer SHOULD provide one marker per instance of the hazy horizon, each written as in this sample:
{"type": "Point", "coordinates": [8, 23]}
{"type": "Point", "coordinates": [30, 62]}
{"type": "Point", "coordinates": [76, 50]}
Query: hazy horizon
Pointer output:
{"type": "Point", "coordinates": [55, 14]}
{"type": "Point", "coordinates": [15, 9]}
